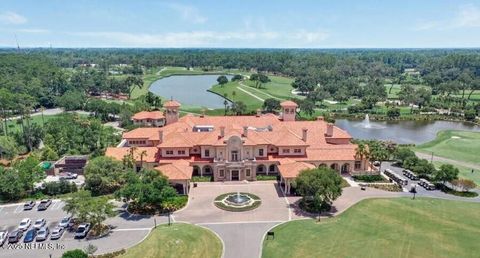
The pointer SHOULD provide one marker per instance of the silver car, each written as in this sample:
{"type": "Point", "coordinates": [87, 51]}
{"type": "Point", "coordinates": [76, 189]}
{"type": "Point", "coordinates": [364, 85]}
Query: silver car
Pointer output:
{"type": "Point", "coordinates": [57, 233]}
{"type": "Point", "coordinates": [42, 234]}
{"type": "Point", "coordinates": [24, 224]}
{"type": "Point", "coordinates": [39, 223]}
{"type": "Point", "coordinates": [65, 222]}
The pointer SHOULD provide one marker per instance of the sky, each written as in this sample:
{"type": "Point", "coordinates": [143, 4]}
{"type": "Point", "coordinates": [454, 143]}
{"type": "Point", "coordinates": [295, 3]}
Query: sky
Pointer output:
{"type": "Point", "coordinates": [241, 23]}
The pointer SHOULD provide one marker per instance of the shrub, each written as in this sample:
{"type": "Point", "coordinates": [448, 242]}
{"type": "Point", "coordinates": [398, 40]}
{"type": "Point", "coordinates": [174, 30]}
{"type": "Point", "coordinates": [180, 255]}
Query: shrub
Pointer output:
{"type": "Point", "coordinates": [369, 178]}
{"type": "Point", "coordinates": [59, 187]}
{"type": "Point", "coordinates": [387, 187]}
{"type": "Point", "coordinates": [175, 203]}
{"type": "Point", "coordinates": [110, 255]}
{"type": "Point", "coordinates": [202, 179]}
{"type": "Point", "coordinates": [266, 177]}
{"type": "Point", "coordinates": [76, 253]}
{"type": "Point", "coordinates": [470, 115]}
{"type": "Point", "coordinates": [451, 191]}
{"type": "Point", "coordinates": [393, 112]}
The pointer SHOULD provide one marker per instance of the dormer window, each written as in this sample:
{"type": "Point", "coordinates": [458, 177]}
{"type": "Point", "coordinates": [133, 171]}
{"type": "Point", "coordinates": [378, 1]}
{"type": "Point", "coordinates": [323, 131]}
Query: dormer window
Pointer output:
{"type": "Point", "coordinates": [260, 152]}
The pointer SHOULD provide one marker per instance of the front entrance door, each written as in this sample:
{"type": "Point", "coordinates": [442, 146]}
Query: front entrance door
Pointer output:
{"type": "Point", "coordinates": [235, 175]}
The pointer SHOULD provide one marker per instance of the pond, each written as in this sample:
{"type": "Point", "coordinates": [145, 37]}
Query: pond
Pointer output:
{"type": "Point", "coordinates": [189, 90]}
{"type": "Point", "coordinates": [405, 132]}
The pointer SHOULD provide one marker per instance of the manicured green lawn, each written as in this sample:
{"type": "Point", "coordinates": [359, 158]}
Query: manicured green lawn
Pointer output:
{"type": "Point", "coordinates": [15, 125]}
{"type": "Point", "coordinates": [456, 145]}
{"type": "Point", "coordinates": [464, 172]}
{"type": "Point", "coordinates": [280, 87]}
{"type": "Point", "coordinates": [384, 228]}
{"type": "Point", "coordinates": [178, 240]}
{"type": "Point", "coordinates": [239, 95]}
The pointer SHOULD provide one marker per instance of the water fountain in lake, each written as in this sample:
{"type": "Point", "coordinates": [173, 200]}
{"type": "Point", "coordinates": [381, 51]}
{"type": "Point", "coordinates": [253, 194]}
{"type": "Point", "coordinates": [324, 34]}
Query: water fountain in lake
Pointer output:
{"type": "Point", "coordinates": [368, 125]}
{"type": "Point", "coordinates": [366, 122]}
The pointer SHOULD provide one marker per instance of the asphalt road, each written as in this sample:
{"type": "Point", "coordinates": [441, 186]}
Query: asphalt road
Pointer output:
{"type": "Point", "coordinates": [242, 240]}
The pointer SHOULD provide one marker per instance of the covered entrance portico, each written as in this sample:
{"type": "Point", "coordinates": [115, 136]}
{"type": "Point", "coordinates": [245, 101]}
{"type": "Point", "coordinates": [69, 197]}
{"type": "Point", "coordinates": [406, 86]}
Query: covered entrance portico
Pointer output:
{"type": "Point", "coordinates": [289, 171]}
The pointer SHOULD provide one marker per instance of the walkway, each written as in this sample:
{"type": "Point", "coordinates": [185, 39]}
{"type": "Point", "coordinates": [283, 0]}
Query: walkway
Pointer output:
{"type": "Point", "coordinates": [447, 160]}
{"type": "Point", "coordinates": [257, 90]}
{"type": "Point", "coordinates": [251, 94]}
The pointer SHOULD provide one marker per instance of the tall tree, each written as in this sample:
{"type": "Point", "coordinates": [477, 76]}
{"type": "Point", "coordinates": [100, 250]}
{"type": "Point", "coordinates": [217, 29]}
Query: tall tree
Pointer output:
{"type": "Point", "coordinates": [319, 188]}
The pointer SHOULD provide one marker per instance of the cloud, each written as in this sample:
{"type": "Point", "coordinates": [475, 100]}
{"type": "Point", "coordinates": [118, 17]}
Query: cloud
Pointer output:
{"type": "Point", "coordinates": [188, 13]}
{"type": "Point", "coordinates": [466, 16]}
{"type": "Point", "coordinates": [12, 18]}
{"type": "Point", "coordinates": [34, 31]}
{"type": "Point", "coordinates": [299, 38]}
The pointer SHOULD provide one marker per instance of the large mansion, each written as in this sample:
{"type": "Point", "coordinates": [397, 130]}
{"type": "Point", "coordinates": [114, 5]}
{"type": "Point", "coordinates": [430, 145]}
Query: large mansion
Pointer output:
{"type": "Point", "coordinates": [230, 148]}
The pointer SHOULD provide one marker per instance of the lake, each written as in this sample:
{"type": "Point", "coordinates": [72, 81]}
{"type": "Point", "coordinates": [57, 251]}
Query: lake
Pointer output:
{"type": "Point", "coordinates": [401, 131]}
{"type": "Point", "coordinates": [189, 90]}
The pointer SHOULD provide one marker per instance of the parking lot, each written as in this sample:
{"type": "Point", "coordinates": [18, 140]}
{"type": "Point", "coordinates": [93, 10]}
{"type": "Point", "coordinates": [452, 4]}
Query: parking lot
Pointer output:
{"type": "Point", "coordinates": [127, 231]}
{"type": "Point", "coordinates": [421, 191]}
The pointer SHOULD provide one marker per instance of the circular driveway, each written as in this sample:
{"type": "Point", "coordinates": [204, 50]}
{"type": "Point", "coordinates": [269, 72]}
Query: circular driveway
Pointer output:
{"type": "Point", "coordinates": [200, 208]}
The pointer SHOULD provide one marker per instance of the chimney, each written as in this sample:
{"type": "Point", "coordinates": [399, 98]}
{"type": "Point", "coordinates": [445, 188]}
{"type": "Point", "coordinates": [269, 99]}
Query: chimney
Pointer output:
{"type": "Point", "coordinates": [320, 118]}
{"type": "Point", "coordinates": [160, 136]}
{"type": "Point", "coordinates": [329, 130]}
{"type": "Point", "coordinates": [245, 131]}
{"type": "Point", "coordinates": [304, 134]}
{"type": "Point", "coordinates": [203, 113]}
{"type": "Point", "coordinates": [222, 131]}
{"type": "Point", "coordinates": [259, 112]}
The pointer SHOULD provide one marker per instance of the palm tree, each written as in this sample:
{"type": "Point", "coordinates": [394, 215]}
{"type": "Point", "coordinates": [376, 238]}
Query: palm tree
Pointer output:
{"type": "Point", "coordinates": [362, 152]}
{"type": "Point", "coordinates": [142, 154]}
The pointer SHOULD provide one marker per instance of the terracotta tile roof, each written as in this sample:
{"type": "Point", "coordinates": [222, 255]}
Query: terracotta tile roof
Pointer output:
{"type": "Point", "coordinates": [176, 170]}
{"type": "Point", "coordinates": [263, 130]}
{"type": "Point", "coordinates": [290, 169]}
{"type": "Point", "coordinates": [119, 153]}
{"type": "Point", "coordinates": [288, 103]}
{"type": "Point", "coordinates": [171, 103]}
{"type": "Point", "coordinates": [151, 133]}
{"type": "Point", "coordinates": [148, 115]}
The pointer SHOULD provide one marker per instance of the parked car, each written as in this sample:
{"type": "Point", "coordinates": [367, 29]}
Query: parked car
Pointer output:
{"type": "Point", "coordinates": [82, 230]}
{"type": "Point", "coordinates": [3, 236]}
{"type": "Point", "coordinates": [24, 224]}
{"type": "Point", "coordinates": [39, 223]}
{"type": "Point", "coordinates": [44, 204]}
{"type": "Point", "coordinates": [15, 236]}
{"type": "Point", "coordinates": [70, 175]}
{"type": "Point", "coordinates": [30, 236]}
{"type": "Point", "coordinates": [66, 222]}
{"type": "Point", "coordinates": [57, 233]}
{"type": "Point", "coordinates": [28, 205]}
{"type": "Point", "coordinates": [42, 234]}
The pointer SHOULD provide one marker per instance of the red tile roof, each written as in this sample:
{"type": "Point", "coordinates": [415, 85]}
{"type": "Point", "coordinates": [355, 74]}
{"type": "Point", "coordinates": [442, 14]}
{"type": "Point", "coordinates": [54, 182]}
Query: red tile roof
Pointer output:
{"type": "Point", "coordinates": [176, 170]}
{"type": "Point", "coordinates": [288, 103]}
{"type": "Point", "coordinates": [290, 169]}
{"type": "Point", "coordinates": [119, 153]}
{"type": "Point", "coordinates": [148, 115]}
{"type": "Point", "coordinates": [171, 103]}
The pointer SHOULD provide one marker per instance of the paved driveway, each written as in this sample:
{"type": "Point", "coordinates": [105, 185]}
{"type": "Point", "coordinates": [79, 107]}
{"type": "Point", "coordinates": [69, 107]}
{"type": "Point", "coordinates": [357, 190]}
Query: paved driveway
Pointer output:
{"type": "Point", "coordinates": [201, 209]}
{"type": "Point", "coordinates": [241, 232]}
